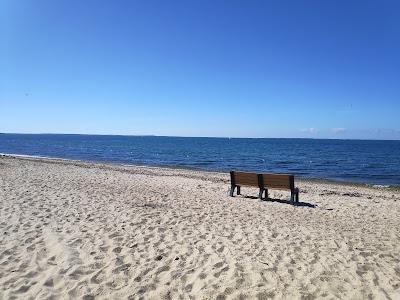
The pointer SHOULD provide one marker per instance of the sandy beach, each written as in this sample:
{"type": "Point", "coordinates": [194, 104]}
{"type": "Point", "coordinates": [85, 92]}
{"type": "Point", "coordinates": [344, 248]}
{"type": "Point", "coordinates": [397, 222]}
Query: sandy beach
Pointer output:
{"type": "Point", "coordinates": [72, 229]}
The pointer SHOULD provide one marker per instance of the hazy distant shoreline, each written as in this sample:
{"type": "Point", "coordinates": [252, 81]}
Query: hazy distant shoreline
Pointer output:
{"type": "Point", "coordinates": [201, 137]}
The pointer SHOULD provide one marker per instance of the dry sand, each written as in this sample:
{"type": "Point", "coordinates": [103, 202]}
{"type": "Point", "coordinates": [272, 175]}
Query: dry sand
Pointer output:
{"type": "Point", "coordinates": [81, 230]}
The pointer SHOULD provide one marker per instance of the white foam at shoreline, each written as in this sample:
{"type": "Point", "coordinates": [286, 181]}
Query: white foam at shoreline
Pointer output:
{"type": "Point", "coordinates": [36, 156]}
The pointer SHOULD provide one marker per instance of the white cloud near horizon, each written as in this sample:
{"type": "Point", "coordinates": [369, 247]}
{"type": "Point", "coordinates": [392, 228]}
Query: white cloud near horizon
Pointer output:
{"type": "Point", "coordinates": [339, 130]}
{"type": "Point", "coordinates": [310, 130]}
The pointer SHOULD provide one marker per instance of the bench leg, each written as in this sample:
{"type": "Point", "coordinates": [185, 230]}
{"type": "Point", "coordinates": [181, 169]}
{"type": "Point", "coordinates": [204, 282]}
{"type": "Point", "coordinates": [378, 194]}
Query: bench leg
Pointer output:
{"type": "Point", "coordinates": [266, 194]}
{"type": "Point", "coordinates": [292, 198]}
{"type": "Point", "coordinates": [232, 190]}
{"type": "Point", "coordinates": [238, 190]}
{"type": "Point", "coordinates": [297, 196]}
{"type": "Point", "coordinates": [260, 194]}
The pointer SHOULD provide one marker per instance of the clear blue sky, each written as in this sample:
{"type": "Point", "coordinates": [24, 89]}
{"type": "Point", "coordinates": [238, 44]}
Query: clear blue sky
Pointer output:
{"type": "Point", "coordinates": [328, 69]}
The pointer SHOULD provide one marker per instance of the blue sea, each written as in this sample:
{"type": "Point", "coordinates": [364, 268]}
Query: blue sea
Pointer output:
{"type": "Point", "coordinates": [362, 161]}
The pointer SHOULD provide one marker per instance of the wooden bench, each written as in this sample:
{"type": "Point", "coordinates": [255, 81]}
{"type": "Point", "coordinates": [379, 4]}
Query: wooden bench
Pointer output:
{"type": "Point", "coordinates": [264, 182]}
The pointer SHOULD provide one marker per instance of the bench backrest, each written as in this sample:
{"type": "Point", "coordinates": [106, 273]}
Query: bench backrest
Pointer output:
{"type": "Point", "coordinates": [244, 178]}
{"type": "Point", "coordinates": [266, 180]}
{"type": "Point", "coordinates": [278, 181]}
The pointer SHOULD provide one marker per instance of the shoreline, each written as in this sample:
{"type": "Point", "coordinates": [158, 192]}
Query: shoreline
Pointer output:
{"type": "Point", "coordinates": [167, 167]}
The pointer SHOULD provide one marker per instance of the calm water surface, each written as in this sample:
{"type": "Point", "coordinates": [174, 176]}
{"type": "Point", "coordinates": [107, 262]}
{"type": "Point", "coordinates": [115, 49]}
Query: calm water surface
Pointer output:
{"type": "Point", "coordinates": [375, 162]}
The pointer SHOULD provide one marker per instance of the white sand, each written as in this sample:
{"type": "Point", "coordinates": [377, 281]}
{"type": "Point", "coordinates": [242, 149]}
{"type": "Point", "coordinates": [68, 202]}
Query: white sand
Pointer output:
{"type": "Point", "coordinates": [80, 230]}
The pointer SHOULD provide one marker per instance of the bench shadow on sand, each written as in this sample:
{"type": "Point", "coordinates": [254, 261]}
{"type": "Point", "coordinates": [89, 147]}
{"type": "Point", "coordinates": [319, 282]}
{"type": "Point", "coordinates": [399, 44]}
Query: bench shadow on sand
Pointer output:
{"type": "Point", "coordinates": [301, 204]}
